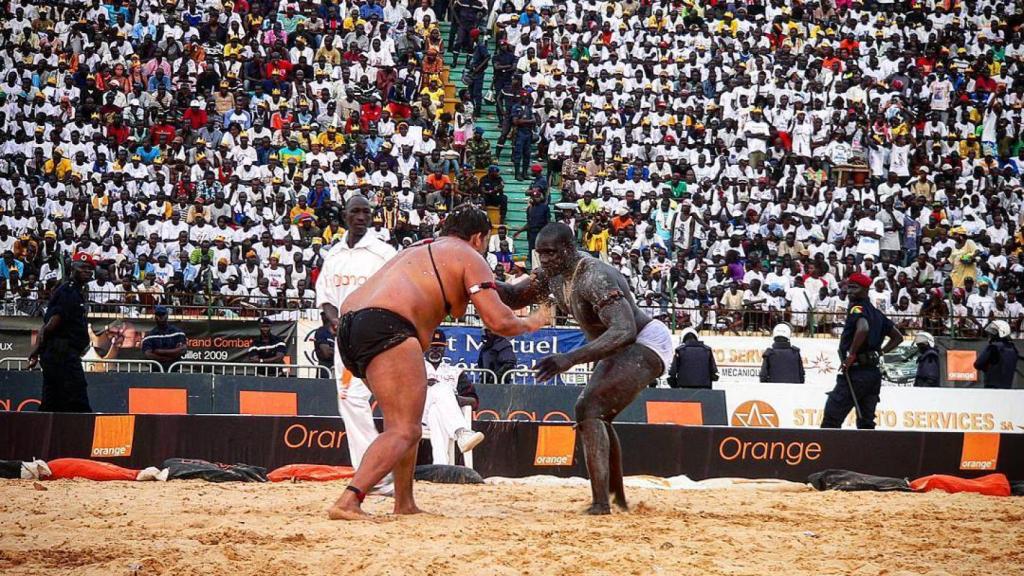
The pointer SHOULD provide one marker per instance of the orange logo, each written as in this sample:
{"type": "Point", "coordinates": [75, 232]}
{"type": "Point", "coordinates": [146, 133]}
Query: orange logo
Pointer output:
{"type": "Point", "coordinates": [113, 436]}
{"type": "Point", "coordinates": [980, 451]}
{"type": "Point", "coordinates": [299, 436]}
{"type": "Point", "coordinates": [792, 453]}
{"type": "Point", "coordinates": [555, 446]}
{"type": "Point", "coordinates": [755, 414]}
{"type": "Point", "coordinates": [960, 366]}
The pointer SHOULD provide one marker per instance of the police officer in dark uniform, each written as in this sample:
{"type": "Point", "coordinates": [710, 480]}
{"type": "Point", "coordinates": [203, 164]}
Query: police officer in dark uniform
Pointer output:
{"type": "Point", "coordinates": [999, 359]}
{"type": "Point", "coordinates": [504, 71]}
{"type": "Point", "coordinates": [928, 372]}
{"type": "Point", "coordinates": [860, 347]}
{"type": "Point", "coordinates": [63, 339]}
{"type": "Point", "coordinates": [523, 121]}
{"type": "Point", "coordinates": [693, 365]}
{"type": "Point", "coordinates": [267, 348]}
{"type": "Point", "coordinates": [782, 362]}
{"type": "Point", "coordinates": [323, 343]}
{"type": "Point", "coordinates": [165, 343]}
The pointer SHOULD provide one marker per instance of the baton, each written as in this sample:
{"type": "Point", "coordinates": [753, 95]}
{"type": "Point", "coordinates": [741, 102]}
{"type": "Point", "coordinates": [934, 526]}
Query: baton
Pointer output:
{"type": "Point", "coordinates": [853, 394]}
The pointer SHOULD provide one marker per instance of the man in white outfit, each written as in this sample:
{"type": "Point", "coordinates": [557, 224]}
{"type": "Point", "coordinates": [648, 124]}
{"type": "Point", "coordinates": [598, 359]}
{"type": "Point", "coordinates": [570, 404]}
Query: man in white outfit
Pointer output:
{"type": "Point", "coordinates": [442, 412]}
{"type": "Point", "coordinates": [348, 264]}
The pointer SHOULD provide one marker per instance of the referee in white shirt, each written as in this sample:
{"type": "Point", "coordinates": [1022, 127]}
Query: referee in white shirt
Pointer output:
{"type": "Point", "coordinates": [348, 264]}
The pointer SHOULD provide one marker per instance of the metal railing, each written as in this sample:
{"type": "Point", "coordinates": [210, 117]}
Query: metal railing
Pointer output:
{"type": "Point", "coordinates": [93, 365]}
{"type": "Point", "coordinates": [250, 369]}
{"type": "Point", "coordinates": [481, 375]}
{"type": "Point", "coordinates": [528, 377]}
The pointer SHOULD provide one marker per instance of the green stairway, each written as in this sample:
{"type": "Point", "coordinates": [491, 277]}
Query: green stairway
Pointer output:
{"type": "Point", "coordinates": [488, 120]}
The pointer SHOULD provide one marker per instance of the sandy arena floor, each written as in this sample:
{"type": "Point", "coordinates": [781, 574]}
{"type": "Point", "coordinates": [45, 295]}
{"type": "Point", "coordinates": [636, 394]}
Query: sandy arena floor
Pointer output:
{"type": "Point", "coordinates": [195, 528]}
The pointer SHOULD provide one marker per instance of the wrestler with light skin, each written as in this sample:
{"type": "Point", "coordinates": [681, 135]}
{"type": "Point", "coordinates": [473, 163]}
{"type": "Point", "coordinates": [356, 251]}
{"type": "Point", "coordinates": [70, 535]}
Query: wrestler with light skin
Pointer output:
{"type": "Point", "coordinates": [407, 289]}
{"type": "Point", "coordinates": [598, 297]}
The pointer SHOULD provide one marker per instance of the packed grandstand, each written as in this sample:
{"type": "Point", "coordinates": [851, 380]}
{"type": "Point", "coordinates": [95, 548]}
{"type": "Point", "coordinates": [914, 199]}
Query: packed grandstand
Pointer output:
{"type": "Point", "coordinates": [734, 160]}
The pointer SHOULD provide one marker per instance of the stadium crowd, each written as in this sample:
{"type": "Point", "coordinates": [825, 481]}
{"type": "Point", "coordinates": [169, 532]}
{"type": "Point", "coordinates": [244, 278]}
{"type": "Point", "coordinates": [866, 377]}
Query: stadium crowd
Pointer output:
{"type": "Point", "coordinates": [735, 160]}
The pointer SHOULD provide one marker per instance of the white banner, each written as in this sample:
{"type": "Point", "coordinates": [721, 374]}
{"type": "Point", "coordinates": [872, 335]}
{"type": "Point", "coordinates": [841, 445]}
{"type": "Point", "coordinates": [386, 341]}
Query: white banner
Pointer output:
{"type": "Point", "coordinates": [739, 357]}
{"type": "Point", "coordinates": [899, 408]}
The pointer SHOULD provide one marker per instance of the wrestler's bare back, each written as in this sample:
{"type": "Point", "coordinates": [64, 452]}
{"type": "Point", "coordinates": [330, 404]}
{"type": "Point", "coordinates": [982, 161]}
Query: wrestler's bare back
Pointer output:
{"type": "Point", "coordinates": [407, 285]}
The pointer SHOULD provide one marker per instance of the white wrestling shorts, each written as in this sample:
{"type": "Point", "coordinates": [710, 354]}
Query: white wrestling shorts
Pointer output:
{"type": "Point", "coordinates": [658, 338]}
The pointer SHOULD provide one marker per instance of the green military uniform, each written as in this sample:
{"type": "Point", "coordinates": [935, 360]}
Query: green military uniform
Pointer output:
{"type": "Point", "coordinates": [468, 183]}
{"type": "Point", "coordinates": [478, 153]}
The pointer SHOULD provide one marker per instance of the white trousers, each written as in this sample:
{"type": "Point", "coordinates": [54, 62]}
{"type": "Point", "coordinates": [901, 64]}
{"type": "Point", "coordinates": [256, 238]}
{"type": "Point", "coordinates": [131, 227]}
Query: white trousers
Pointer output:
{"type": "Point", "coordinates": [354, 406]}
{"type": "Point", "coordinates": [443, 417]}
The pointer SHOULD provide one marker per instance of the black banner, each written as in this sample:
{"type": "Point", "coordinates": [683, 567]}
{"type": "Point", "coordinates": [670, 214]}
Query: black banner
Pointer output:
{"type": "Point", "coordinates": [208, 340]}
{"type": "Point", "coordinates": [517, 449]}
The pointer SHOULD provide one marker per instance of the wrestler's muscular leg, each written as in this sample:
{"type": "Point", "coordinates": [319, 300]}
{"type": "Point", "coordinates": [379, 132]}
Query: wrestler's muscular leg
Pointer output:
{"type": "Point", "coordinates": [615, 485]}
{"type": "Point", "coordinates": [616, 381]}
{"type": "Point", "coordinates": [398, 381]}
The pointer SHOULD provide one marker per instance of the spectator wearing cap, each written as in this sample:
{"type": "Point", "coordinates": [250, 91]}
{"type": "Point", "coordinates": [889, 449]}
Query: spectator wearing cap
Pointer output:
{"type": "Point", "coordinates": [165, 343]}
{"type": "Point", "coordinates": [448, 390]}
{"type": "Point", "coordinates": [62, 341]}
{"type": "Point", "coordinates": [10, 265]}
{"type": "Point", "coordinates": [478, 150]}
{"type": "Point", "coordinates": [962, 256]}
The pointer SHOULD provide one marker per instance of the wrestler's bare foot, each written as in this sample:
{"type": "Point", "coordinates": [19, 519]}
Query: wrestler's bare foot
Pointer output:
{"type": "Point", "coordinates": [409, 510]}
{"type": "Point", "coordinates": [620, 503]}
{"type": "Point", "coordinates": [347, 507]}
{"type": "Point", "coordinates": [598, 510]}
{"type": "Point", "coordinates": [341, 512]}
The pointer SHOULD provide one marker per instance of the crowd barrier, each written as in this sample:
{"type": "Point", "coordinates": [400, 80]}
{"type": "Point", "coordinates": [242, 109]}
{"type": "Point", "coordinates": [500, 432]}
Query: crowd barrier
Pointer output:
{"type": "Point", "coordinates": [518, 449]}
{"type": "Point", "coordinates": [250, 369]}
{"type": "Point", "coordinates": [217, 344]}
{"type": "Point", "coordinates": [93, 365]}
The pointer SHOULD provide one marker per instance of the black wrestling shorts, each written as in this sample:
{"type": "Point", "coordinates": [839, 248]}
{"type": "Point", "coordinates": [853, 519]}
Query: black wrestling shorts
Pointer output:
{"type": "Point", "coordinates": [363, 334]}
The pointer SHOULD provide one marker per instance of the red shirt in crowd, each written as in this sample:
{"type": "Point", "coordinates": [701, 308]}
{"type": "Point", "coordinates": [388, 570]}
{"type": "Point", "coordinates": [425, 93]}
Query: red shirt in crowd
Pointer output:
{"type": "Point", "coordinates": [196, 118]}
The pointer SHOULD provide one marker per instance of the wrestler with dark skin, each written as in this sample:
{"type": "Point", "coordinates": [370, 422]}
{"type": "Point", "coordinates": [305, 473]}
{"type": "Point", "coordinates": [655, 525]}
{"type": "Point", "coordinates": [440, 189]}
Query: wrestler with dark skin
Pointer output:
{"type": "Point", "coordinates": [598, 297]}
